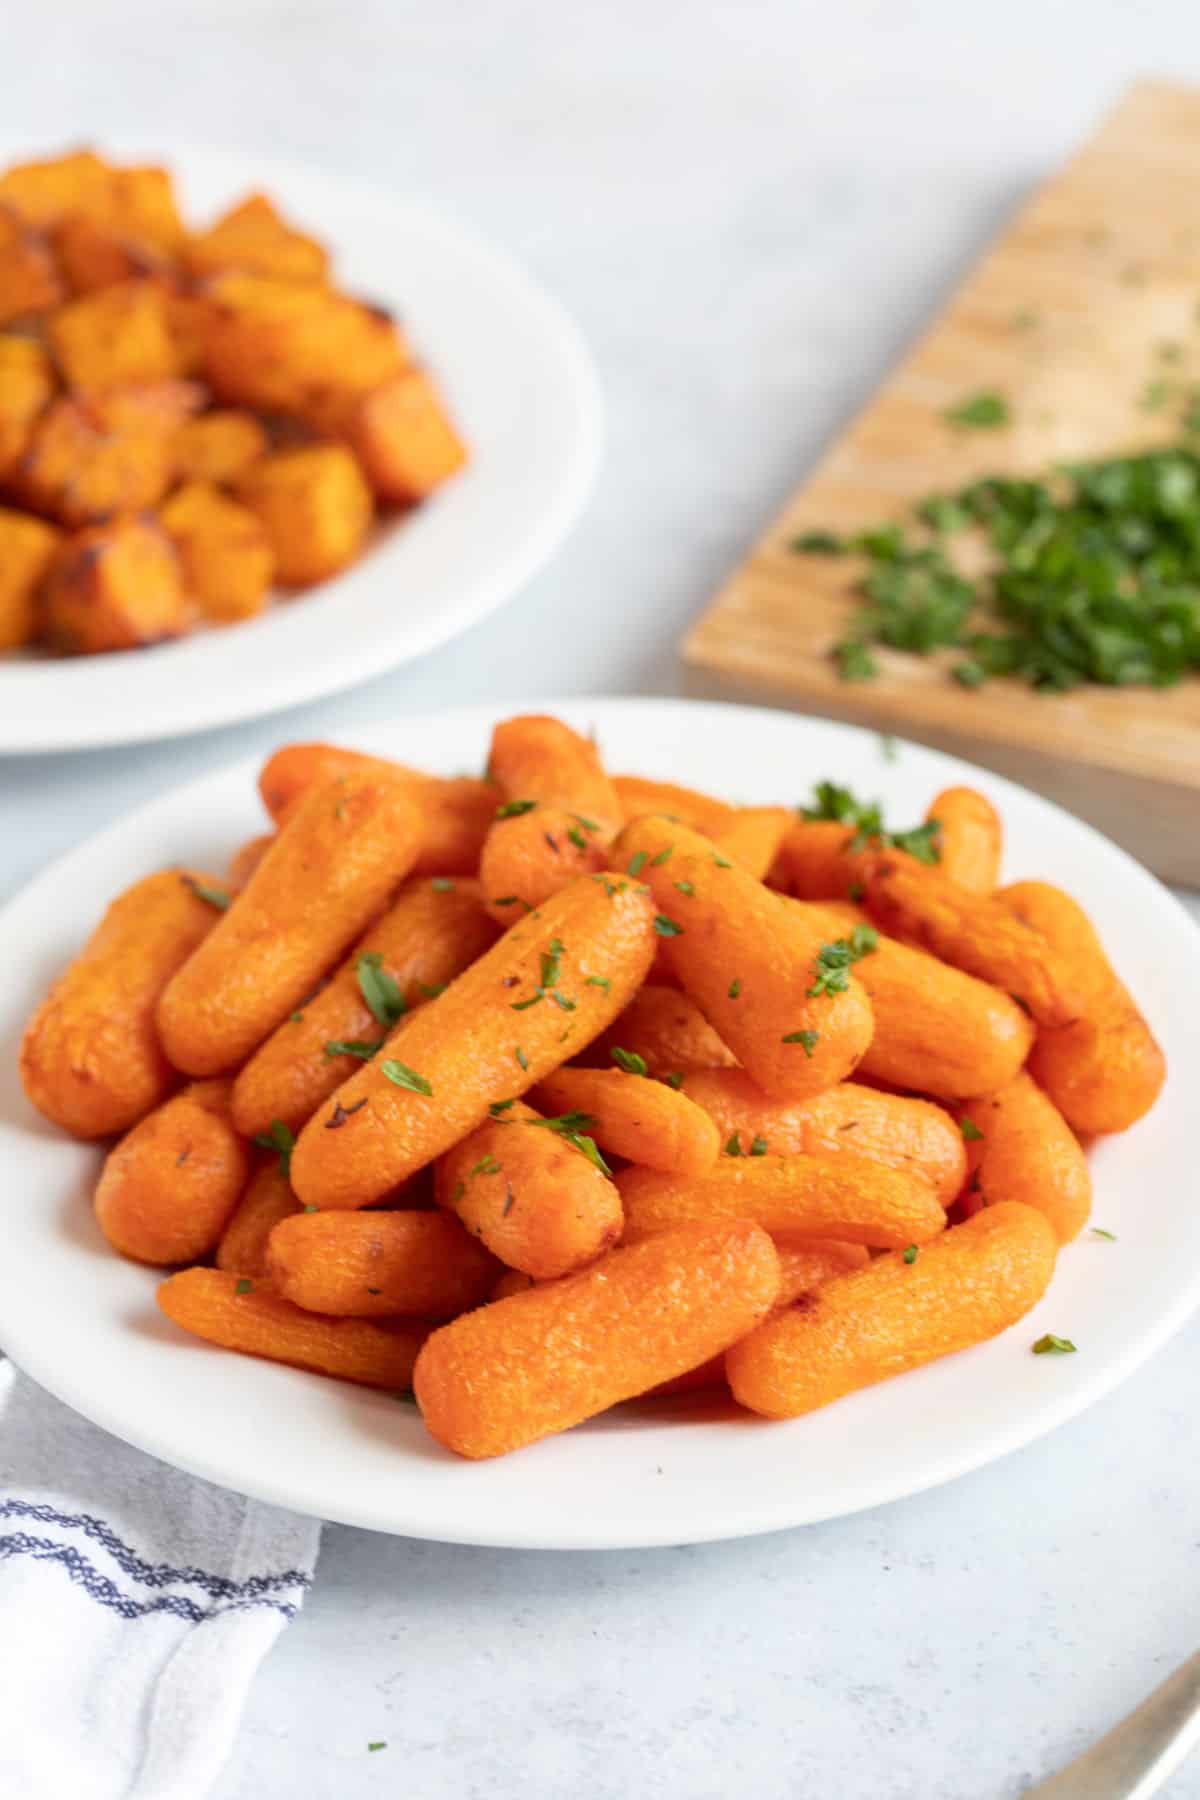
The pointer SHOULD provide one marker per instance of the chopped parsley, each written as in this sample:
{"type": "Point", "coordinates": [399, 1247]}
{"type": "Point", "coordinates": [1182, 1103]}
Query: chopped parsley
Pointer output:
{"type": "Point", "coordinates": [970, 1130]}
{"type": "Point", "coordinates": [363, 1048]}
{"type": "Point", "coordinates": [984, 411]}
{"type": "Point", "coordinates": [380, 990]}
{"type": "Point", "coordinates": [442, 884]}
{"type": "Point", "coordinates": [512, 809]}
{"type": "Point", "coordinates": [521, 1057]}
{"type": "Point", "coordinates": [500, 1106]}
{"type": "Point", "coordinates": [733, 1146]}
{"type": "Point", "coordinates": [818, 543]}
{"type": "Point", "coordinates": [572, 1127]}
{"type": "Point", "coordinates": [834, 961]}
{"type": "Point", "coordinates": [216, 896]}
{"type": "Point", "coordinates": [637, 863]}
{"type": "Point", "coordinates": [244, 1286]}
{"type": "Point", "coordinates": [666, 927]}
{"type": "Point", "coordinates": [577, 838]}
{"type": "Point", "coordinates": [404, 1077]}
{"type": "Point", "coordinates": [686, 888]}
{"type": "Point", "coordinates": [1099, 1231]}
{"type": "Point", "coordinates": [629, 1060]}
{"type": "Point", "coordinates": [675, 1079]}
{"type": "Point", "coordinates": [656, 862]}
{"type": "Point", "coordinates": [280, 1139]}
{"type": "Point", "coordinates": [734, 988]}
{"type": "Point", "coordinates": [758, 1147]}
{"type": "Point", "coordinates": [807, 1039]}
{"type": "Point", "coordinates": [1050, 1345]}
{"type": "Point", "coordinates": [831, 801]}
{"type": "Point", "coordinates": [381, 1743]}
{"type": "Point", "coordinates": [487, 1165]}
{"type": "Point", "coordinates": [911, 1254]}
{"type": "Point", "coordinates": [722, 862]}
{"type": "Point", "coordinates": [600, 981]}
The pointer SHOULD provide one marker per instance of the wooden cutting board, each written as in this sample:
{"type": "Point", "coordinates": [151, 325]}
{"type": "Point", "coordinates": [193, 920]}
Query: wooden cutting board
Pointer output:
{"type": "Point", "coordinates": [1066, 316]}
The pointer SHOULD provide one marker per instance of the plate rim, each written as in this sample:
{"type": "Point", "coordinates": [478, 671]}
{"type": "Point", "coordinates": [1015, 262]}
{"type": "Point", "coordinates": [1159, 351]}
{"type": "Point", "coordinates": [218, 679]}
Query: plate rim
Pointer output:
{"type": "Point", "coordinates": [35, 726]}
{"type": "Point", "coordinates": [757, 1514]}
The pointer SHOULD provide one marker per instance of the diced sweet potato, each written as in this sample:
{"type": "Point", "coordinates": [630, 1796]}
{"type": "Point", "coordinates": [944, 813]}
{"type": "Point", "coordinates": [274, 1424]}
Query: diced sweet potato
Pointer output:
{"type": "Point", "coordinates": [289, 347]}
{"type": "Point", "coordinates": [219, 446]}
{"type": "Point", "coordinates": [403, 437]}
{"type": "Point", "coordinates": [119, 334]}
{"type": "Point", "coordinates": [253, 237]}
{"type": "Point", "coordinates": [45, 191]}
{"type": "Point", "coordinates": [223, 550]}
{"type": "Point", "coordinates": [26, 384]}
{"type": "Point", "coordinates": [92, 255]}
{"type": "Point", "coordinates": [115, 587]}
{"type": "Point", "coordinates": [315, 506]}
{"type": "Point", "coordinates": [29, 280]}
{"type": "Point", "coordinates": [90, 457]}
{"type": "Point", "coordinates": [138, 203]}
{"type": "Point", "coordinates": [26, 547]}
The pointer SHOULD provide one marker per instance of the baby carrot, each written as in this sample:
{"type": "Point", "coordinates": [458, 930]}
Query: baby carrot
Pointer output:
{"type": "Point", "coordinates": [971, 838]}
{"type": "Point", "coordinates": [527, 1188]}
{"type": "Point", "coordinates": [667, 1030]}
{"type": "Point", "coordinates": [363, 1265]}
{"type": "Point", "coordinates": [246, 859]}
{"type": "Point", "coordinates": [169, 1188]}
{"type": "Point", "coordinates": [639, 796]}
{"type": "Point", "coordinates": [792, 1197]}
{"type": "Point", "coordinates": [551, 984]}
{"type": "Point", "coordinates": [1105, 1070]}
{"type": "Point", "coordinates": [849, 1119]}
{"type": "Point", "coordinates": [816, 861]}
{"type": "Point", "coordinates": [642, 1120]}
{"type": "Point", "coordinates": [225, 1309]}
{"type": "Point", "coordinates": [1021, 1148]}
{"type": "Point", "coordinates": [975, 932]}
{"type": "Point", "coordinates": [937, 1030]}
{"type": "Point", "coordinates": [896, 1314]}
{"type": "Point", "coordinates": [530, 855]}
{"type": "Point", "coordinates": [754, 837]}
{"type": "Point", "coordinates": [537, 1363]}
{"type": "Point", "coordinates": [432, 931]}
{"type": "Point", "coordinates": [768, 979]}
{"type": "Point", "coordinates": [90, 1058]}
{"type": "Point", "coordinates": [267, 1200]}
{"type": "Point", "coordinates": [328, 872]}
{"type": "Point", "coordinates": [558, 812]}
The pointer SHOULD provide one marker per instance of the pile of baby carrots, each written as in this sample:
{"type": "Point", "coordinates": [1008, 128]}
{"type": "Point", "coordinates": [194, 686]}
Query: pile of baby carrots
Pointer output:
{"type": "Point", "coordinates": [535, 1092]}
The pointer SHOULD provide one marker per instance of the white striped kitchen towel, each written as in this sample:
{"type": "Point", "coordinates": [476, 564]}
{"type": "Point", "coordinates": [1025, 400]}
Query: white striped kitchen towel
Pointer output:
{"type": "Point", "coordinates": [136, 1604]}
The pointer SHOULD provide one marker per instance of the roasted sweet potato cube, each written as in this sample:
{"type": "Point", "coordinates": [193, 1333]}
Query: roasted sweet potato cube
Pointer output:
{"type": "Point", "coordinates": [252, 236]}
{"type": "Point", "coordinates": [29, 279]}
{"type": "Point", "coordinates": [89, 457]}
{"type": "Point", "coordinates": [403, 437]}
{"type": "Point", "coordinates": [44, 192]}
{"type": "Point", "coordinates": [188, 315]}
{"type": "Point", "coordinates": [93, 255]}
{"type": "Point", "coordinates": [223, 550]}
{"type": "Point", "coordinates": [219, 446]}
{"type": "Point", "coordinates": [26, 548]}
{"type": "Point", "coordinates": [26, 384]}
{"type": "Point", "coordinates": [315, 506]}
{"type": "Point", "coordinates": [288, 347]}
{"type": "Point", "coordinates": [139, 204]}
{"type": "Point", "coordinates": [115, 587]}
{"type": "Point", "coordinates": [117, 335]}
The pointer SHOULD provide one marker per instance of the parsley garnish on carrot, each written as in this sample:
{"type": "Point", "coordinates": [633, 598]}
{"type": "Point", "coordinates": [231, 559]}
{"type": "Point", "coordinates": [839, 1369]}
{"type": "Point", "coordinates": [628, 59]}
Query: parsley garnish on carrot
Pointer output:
{"type": "Point", "coordinates": [380, 990]}
{"type": "Point", "coordinates": [219, 897]}
{"type": "Point", "coordinates": [280, 1139]}
{"type": "Point", "coordinates": [403, 1077]}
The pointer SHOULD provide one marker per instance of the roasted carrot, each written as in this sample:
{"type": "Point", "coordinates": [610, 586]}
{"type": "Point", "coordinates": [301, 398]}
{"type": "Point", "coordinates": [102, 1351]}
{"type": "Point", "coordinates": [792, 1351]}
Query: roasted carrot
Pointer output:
{"type": "Point", "coordinates": [1105, 1070]}
{"type": "Point", "coordinates": [246, 859]}
{"type": "Point", "coordinates": [754, 837]}
{"type": "Point", "coordinates": [897, 1314]}
{"type": "Point", "coordinates": [552, 983]}
{"type": "Point", "coordinates": [792, 1197]}
{"type": "Point", "coordinates": [558, 813]}
{"type": "Point", "coordinates": [226, 1309]}
{"type": "Point", "coordinates": [528, 856]}
{"type": "Point", "coordinates": [667, 1030]}
{"type": "Point", "coordinates": [639, 796]}
{"type": "Point", "coordinates": [267, 1199]}
{"type": "Point", "coordinates": [971, 838]}
{"type": "Point", "coordinates": [1020, 1147]}
{"type": "Point", "coordinates": [542, 1361]}
{"type": "Point", "coordinates": [780, 994]}
{"type": "Point", "coordinates": [631, 1116]}
{"type": "Point", "coordinates": [849, 1119]}
{"type": "Point", "coordinates": [169, 1188]}
{"type": "Point", "coordinates": [432, 931]}
{"type": "Point", "coordinates": [90, 1058]}
{"type": "Point", "coordinates": [371, 1264]}
{"type": "Point", "coordinates": [328, 872]}
{"type": "Point", "coordinates": [816, 861]}
{"type": "Point", "coordinates": [532, 1193]}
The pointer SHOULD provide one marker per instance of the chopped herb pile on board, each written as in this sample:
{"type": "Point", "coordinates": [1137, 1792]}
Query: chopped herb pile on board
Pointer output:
{"type": "Point", "coordinates": [1094, 576]}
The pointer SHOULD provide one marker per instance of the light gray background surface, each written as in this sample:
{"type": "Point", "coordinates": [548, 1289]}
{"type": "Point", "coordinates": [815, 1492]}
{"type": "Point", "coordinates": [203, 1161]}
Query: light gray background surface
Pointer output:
{"type": "Point", "coordinates": [749, 208]}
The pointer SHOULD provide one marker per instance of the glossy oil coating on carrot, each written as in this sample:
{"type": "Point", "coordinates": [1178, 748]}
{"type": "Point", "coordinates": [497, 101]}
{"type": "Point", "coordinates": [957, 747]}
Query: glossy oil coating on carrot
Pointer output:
{"type": "Point", "coordinates": [974, 932]}
{"type": "Point", "coordinates": [169, 1188]}
{"type": "Point", "coordinates": [937, 1030]}
{"type": "Point", "coordinates": [372, 1264]}
{"type": "Point", "coordinates": [792, 1197]}
{"type": "Point", "coordinates": [434, 929]}
{"type": "Point", "coordinates": [849, 1119]}
{"type": "Point", "coordinates": [858, 1329]}
{"type": "Point", "coordinates": [639, 795]}
{"type": "Point", "coordinates": [1028, 1152]}
{"type": "Point", "coordinates": [246, 859]}
{"type": "Point", "coordinates": [530, 855]}
{"type": "Point", "coordinates": [530, 1193]}
{"type": "Point", "coordinates": [540, 1362]}
{"type": "Point", "coordinates": [266, 1201]}
{"type": "Point", "coordinates": [329, 871]}
{"type": "Point", "coordinates": [634, 1117]}
{"type": "Point", "coordinates": [667, 1030]}
{"type": "Point", "coordinates": [1105, 1070]}
{"type": "Point", "coordinates": [456, 811]}
{"type": "Point", "coordinates": [971, 839]}
{"type": "Point", "coordinates": [551, 984]}
{"type": "Point", "coordinates": [90, 1058]}
{"type": "Point", "coordinates": [257, 1322]}
{"type": "Point", "coordinates": [754, 837]}
{"type": "Point", "coordinates": [751, 961]}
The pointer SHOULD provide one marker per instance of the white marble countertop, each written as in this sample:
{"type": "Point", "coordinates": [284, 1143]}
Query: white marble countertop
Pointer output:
{"type": "Point", "coordinates": [749, 206]}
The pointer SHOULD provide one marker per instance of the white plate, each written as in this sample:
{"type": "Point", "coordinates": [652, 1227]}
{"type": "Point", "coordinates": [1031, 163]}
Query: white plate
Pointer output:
{"type": "Point", "coordinates": [522, 389]}
{"type": "Point", "coordinates": [84, 1323]}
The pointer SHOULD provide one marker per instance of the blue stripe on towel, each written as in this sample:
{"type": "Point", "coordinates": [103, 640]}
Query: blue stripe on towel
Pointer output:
{"type": "Point", "coordinates": [106, 1593]}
